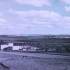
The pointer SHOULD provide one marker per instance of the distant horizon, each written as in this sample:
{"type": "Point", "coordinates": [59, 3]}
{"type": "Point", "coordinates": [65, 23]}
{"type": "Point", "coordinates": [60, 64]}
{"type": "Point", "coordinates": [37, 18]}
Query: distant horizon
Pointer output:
{"type": "Point", "coordinates": [33, 34]}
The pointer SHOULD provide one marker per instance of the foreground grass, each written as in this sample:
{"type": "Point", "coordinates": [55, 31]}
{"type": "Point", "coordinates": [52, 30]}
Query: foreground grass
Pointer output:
{"type": "Point", "coordinates": [35, 63]}
{"type": "Point", "coordinates": [24, 62]}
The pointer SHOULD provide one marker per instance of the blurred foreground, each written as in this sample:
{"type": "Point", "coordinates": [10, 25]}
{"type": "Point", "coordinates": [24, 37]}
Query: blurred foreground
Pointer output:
{"type": "Point", "coordinates": [33, 61]}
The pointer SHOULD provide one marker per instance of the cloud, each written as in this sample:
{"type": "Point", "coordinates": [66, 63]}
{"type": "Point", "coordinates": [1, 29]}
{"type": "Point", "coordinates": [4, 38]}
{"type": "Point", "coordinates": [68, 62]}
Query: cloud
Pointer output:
{"type": "Point", "coordinates": [67, 8]}
{"type": "Point", "coordinates": [3, 20]}
{"type": "Point", "coordinates": [0, 14]}
{"type": "Point", "coordinates": [37, 3]}
{"type": "Point", "coordinates": [37, 17]}
{"type": "Point", "coordinates": [66, 1]}
{"type": "Point", "coordinates": [1, 4]}
{"type": "Point", "coordinates": [67, 19]}
{"type": "Point", "coordinates": [43, 18]}
{"type": "Point", "coordinates": [4, 23]}
{"type": "Point", "coordinates": [35, 14]}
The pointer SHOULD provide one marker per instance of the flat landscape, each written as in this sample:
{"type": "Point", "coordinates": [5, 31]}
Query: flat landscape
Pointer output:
{"type": "Point", "coordinates": [57, 59]}
{"type": "Point", "coordinates": [33, 61]}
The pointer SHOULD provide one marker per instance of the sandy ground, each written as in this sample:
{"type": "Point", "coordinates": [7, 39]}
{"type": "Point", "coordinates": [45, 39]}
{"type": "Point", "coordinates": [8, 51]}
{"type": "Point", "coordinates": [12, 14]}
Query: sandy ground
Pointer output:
{"type": "Point", "coordinates": [33, 61]}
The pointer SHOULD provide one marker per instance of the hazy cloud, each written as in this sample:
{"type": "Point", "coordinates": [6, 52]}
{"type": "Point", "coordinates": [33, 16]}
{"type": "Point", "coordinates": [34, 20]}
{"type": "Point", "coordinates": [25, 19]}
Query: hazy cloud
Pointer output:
{"type": "Point", "coordinates": [41, 18]}
{"type": "Point", "coordinates": [37, 17]}
{"type": "Point", "coordinates": [66, 1]}
{"type": "Point", "coordinates": [67, 8]}
{"type": "Point", "coordinates": [0, 14]}
{"type": "Point", "coordinates": [3, 20]}
{"type": "Point", "coordinates": [37, 3]}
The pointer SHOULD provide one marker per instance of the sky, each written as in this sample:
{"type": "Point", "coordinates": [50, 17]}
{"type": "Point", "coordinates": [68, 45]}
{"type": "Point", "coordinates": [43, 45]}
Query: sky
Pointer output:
{"type": "Point", "coordinates": [34, 17]}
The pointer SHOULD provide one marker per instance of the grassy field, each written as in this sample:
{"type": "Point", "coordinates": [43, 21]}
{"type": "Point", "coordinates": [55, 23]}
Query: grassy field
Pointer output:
{"type": "Point", "coordinates": [20, 61]}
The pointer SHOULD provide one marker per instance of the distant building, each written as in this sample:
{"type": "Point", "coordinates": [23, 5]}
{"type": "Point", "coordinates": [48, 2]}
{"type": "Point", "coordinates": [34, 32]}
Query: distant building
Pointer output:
{"type": "Point", "coordinates": [34, 48]}
{"type": "Point", "coordinates": [6, 45]}
{"type": "Point", "coordinates": [11, 45]}
{"type": "Point", "coordinates": [25, 47]}
{"type": "Point", "coordinates": [29, 48]}
{"type": "Point", "coordinates": [8, 48]}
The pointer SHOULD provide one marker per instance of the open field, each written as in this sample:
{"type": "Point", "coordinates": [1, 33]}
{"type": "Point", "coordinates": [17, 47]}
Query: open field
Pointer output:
{"type": "Point", "coordinates": [33, 61]}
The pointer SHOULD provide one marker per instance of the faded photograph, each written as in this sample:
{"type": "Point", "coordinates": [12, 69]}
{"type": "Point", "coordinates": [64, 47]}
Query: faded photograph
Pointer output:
{"type": "Point", "coordinates": [34, 34]}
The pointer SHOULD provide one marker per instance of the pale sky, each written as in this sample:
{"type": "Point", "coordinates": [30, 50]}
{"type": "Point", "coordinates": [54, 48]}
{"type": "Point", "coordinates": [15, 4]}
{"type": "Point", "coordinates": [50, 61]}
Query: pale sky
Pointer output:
{"type": "Point", "coordinates": [34, 17]}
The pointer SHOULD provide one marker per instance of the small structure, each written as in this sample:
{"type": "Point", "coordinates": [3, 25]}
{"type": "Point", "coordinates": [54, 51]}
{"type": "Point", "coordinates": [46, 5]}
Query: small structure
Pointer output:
{"type": "Point", "coordinates": [34, 48]}
{"type": "Point", "coordinates": [6, 45]}
{"type": "Point", "coordinates": [29, 48]}
{"type": "Point", "coordinates": [25, 47]}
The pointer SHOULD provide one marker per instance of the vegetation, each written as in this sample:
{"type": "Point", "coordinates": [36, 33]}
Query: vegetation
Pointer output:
{"type": "Point", "coordinates": [59, 42]}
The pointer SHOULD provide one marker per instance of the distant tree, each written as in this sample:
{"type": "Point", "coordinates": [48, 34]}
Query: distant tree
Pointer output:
{"type": "Point", "coordinates": [67, 47]}
{"type": "Point", "coordinates": [1, 42]}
